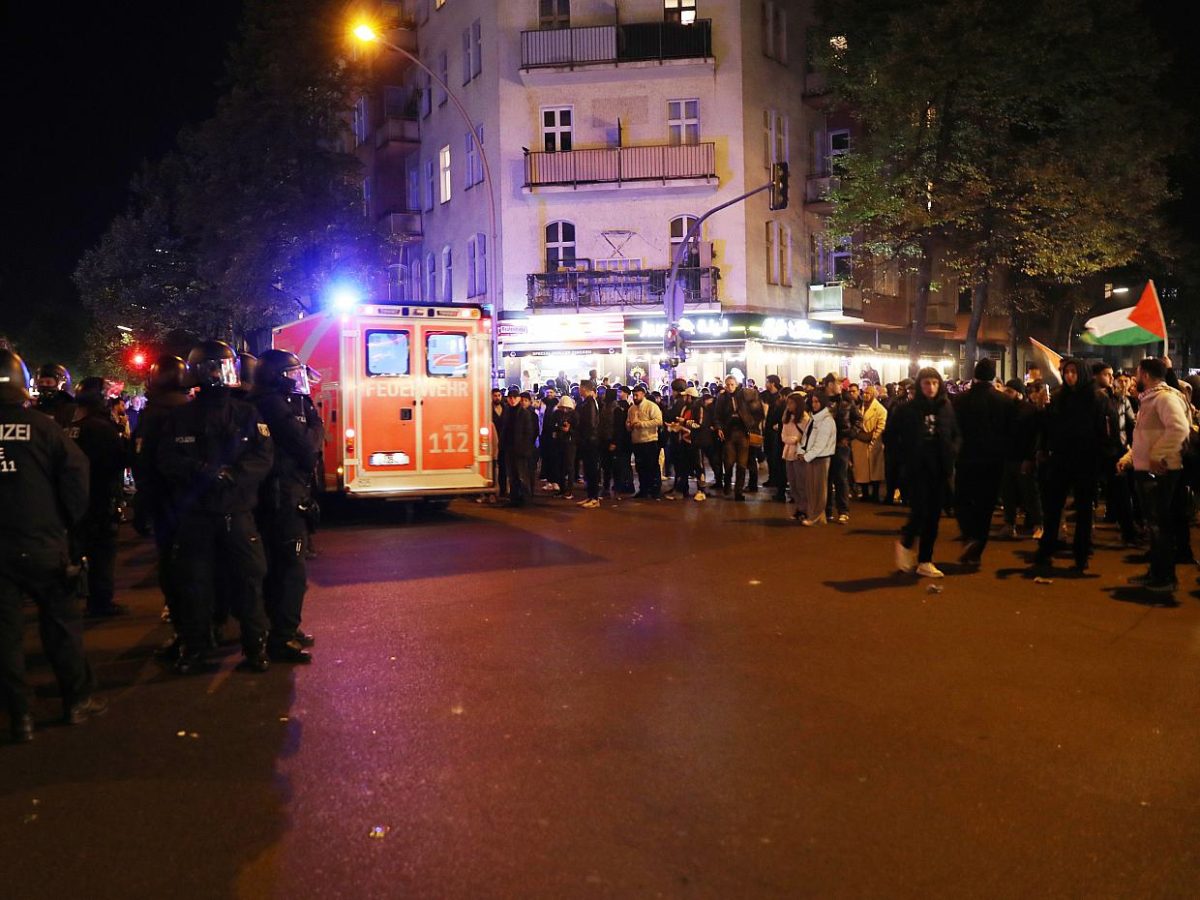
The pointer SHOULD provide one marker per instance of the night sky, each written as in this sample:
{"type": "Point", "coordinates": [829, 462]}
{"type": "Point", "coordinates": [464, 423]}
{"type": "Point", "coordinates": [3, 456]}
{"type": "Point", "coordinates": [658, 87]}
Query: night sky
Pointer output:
{"type": "Point", "coordinates": [94, 89]}
{"type": "Point", "coordinates": [104, 86]}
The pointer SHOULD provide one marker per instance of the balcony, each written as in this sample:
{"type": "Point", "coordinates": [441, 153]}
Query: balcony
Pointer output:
{"type": "Point", "coordinates": [405, 225]}
{"type": "Point", "coordinates": [404, 133]}
{"type": "Point", "coordinates": [817, 193]}
{"type": "Point", "coordinates": [816, 92]}
{"type": "Point", "coordinates": [835, 302]}
{"type": "Point", "coordinates": [614, 168]}
{"type": "Point", "coordinates": [639, 287]}
{"type": "Point", "coordinates": [642, 43]}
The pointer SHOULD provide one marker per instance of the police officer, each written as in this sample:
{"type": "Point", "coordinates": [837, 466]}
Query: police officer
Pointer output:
{"type": "Point", "coordinates": [247, 366]}
{"type": "Point", "coordinates": [165, 392]}
{"type": "Point", "coordinates": [214, 453]}
{"type": "Point", "coordinates": [43, 491]}
{"type": "Point", "coordinates": [280, 390]}
{"type": "Point", "coordinates": [101, 441]}
{"type": "Point", "coordinates": [54, 398]}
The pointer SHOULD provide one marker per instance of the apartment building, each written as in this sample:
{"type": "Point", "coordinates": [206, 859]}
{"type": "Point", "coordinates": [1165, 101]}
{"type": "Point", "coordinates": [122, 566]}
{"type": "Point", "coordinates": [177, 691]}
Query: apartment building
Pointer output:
{"type": "Point", "coordinates": [608, 128]}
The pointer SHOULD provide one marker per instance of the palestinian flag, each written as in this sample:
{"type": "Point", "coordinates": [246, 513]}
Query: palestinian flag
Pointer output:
{"type": "Point", "coordinates": [1141, 323]}
{"type": "Point", "coordinates": [1047, 360]}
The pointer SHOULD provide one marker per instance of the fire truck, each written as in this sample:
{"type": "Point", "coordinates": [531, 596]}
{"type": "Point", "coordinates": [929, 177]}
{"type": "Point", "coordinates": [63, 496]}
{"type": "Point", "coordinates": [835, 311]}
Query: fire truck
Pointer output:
{"type": "Point", "coordinates": [405, 395]}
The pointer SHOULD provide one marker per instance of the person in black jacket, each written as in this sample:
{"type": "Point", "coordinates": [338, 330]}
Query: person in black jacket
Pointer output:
{"type": "Point", "coordinates": [738, 413]}
{"type": "Point", "coordinates": [53, 394]}
{"type": "Point", "coordinates": [1116, 440]}
{"type": "Point", "coordinates": [43, 492]}
{"type": "Point", "coordinates": [215, 453]}
{"type": "Point", "coordinates": [280, 384]}
{"type": "Point", "coordinates": [848, 418]}
{"type": "Point", "coordinates": [774, 401]}
{"type": "Point", "coordinates": [520, 436]}
{"type": "Point", "coordinates": [588, 432]}
{"type": "Point", "coordinates": [621, 443]}
{"type": "Point", "coordinates": [893, 463]}
{"type": "Point", "coordinates": [1074, 431]}
{"type": "Point", "coordinates": [1018, 485]}
{"type": "Point", "coordinates": [925, 435]}
{"type": "Point", "coordinates": [164, 394]}
{"type": "Point", "coordinates": [985, 420]}
{"type": "Point", "coordinates": [108, 456]}
{"type": "Point", "coordinates": [547, 449]}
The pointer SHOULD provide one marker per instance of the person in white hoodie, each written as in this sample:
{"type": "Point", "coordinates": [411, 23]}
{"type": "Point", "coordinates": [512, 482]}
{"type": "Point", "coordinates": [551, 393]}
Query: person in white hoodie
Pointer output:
{"type": "Point", "coordinates": [1162, 429]}
{"type": "Point", "coordinates": [816, 449]}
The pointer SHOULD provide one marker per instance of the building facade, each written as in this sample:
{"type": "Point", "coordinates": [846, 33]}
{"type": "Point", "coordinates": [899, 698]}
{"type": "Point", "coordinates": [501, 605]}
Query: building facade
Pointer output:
{"type": "Point", "coordinates": [608, 128]}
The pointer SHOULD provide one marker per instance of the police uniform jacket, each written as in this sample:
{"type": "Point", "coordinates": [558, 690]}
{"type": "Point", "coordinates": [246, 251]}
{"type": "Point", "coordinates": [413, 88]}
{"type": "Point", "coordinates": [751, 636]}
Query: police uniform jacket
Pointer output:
{"type": "Point", "coordinates": [290, 480]}
{"type": "Point", "coordinates": [43, 485]}
{"type": "Point", "coordinates": [107, 451]}
{"type": "Point", "coordinates": [59, 405]}
{"type": "Point", "coordinates": [215, 453]}
{"type": "Point", "coordinates": [147, 438]}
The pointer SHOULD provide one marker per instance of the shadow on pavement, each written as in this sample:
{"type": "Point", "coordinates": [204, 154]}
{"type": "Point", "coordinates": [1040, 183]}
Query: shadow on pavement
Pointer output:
{"type": "Point", "coordinates": [1142, 597]}
{"type": "Point", "coordinates": [862, 585]}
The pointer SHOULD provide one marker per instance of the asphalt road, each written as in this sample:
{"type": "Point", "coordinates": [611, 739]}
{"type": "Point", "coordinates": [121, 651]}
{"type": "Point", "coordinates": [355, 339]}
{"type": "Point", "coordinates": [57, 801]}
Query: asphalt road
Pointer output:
{"type": "Point", "coordinates": [648, 700]}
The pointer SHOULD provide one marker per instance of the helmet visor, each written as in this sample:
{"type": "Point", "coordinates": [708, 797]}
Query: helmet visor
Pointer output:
{"type": "Point", "coordinates": [299, 378]}
{"type": "Point", "coordinates": [223, 372]}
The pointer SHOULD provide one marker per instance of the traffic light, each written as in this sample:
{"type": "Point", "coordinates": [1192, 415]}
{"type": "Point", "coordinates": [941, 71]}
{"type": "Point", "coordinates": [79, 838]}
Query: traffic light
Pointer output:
{"type": "Point", "coordinates": [137, 360]}
{"type": "Point", "coordinates": [674, 345]}
{"type": "Point", "coordinates": [779, 186]}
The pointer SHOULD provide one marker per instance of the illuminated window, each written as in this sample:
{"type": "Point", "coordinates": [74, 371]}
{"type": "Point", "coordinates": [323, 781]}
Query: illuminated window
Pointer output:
{"type": "Point", "coordinates": [388, 353]}
{"type": "Point", "coordinates": [446, 354]}
{"type": "Point", "coordinates": [682, 11]}
{"type": "Point", "coordinates": [444, 163]}
{"type": "Point", "coordinates": [683, 122]}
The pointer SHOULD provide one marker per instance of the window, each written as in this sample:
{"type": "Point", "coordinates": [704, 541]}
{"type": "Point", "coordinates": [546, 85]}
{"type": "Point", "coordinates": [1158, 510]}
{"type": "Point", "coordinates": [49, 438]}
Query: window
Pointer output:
{"type": "Point", "coordinates": [430, 185]}
{"type": "Point", "coordinates": [772, 252]}
{"type": "Point", "coordinates": [447, 275]}
{"type": "Point", "coordinates": [785, 255]}
{"type": "Point", "coordinates": [683, 122]}
{"type": "Point", "coordinates": [837, 145]}
{"type": "Point", "coordinates": [554, 14]}
{"type": "Point", "coordinates": [774, 31]}
{"type": "Point", "coordinates": [431, 283]}
{"type": "Point", "coordinates": [775, 138]}
{"type": "Point", "coordinates": [479, 157]}
{"type": "Point", "coordinates": [446, 354]}
{"type": "Point", "coordinates": [361, 121]}
{"type": "Point", "coordinates": [618, 264]}
{"type": "Point", "coordinates": [680, 226]}
{"type": "Point", "coordinates": [366, 197]}
{"type": "Point", "coordinates": [477, 265]}
{"type": "Point", "coordinates": [395, 101]}
{"type": "Point", "coordinates": [416, 277]}
{"type": "Point", "coordinates": [832, 260]}
{"type": "Point", "coordinates": [556, 129]}
{"type": "Point", "coordinates": [682, 11]}
{"type": "Point", "coordinates": [466, 57]}
{"type": "Point", "coordinates": [388, 353]}
{"type": "Point", "coordinates": [444, 164]}
{"type": "Point", "coordinates": [414, 187]}
{"type": "Point", "coordinates": [472, 158]}
{"type": "Point", "coordinates": [560, 246]}
{"type": "Point", "coordinates": [444, 75]}
{"type": "Point", "coordinates": [477, 55]}
{"type": "Point", "coordinates": [427, 97]}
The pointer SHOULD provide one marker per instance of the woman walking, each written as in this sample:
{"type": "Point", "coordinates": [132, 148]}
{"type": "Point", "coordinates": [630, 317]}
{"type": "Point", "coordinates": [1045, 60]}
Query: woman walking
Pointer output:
{"type": "Point", "coordinates": [867, 446]}
{"type": "Point", "coordinates": [927, 438]}
{"type": "Point", "coordinates": [791, 435]}
{"type": "Point", "coordinates": [817, 449]}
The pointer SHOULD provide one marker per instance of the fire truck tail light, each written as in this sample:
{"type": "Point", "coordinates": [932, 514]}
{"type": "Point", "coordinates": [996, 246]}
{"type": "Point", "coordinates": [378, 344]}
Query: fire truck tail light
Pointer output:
{"type": "Point", "coordinates": [350, 434]}
{"type": "Point", "coordinates": [484, 432]}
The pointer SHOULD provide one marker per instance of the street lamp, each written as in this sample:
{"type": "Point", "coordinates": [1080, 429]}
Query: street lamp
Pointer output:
{"type": "Point", "coordinates": [367, 34]}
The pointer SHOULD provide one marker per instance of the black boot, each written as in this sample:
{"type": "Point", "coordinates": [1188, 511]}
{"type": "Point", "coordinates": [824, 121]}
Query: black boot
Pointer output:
{"type": "Point", "coordinates": [256, 659]}
{"type": "Point", "coordinates": [22, 728]}
{"type": "Point", "coordinates": [289, 652]}
{"type": "Point", "coordinates": [191, 660]}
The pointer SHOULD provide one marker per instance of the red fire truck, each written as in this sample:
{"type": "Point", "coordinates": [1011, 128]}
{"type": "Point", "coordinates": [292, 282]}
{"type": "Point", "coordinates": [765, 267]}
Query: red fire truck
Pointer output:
{"type": "Point", "coordinates": [405, 396]}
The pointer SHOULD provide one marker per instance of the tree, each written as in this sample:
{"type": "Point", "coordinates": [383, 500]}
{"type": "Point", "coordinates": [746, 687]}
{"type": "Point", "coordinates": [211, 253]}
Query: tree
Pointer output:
{"type": "Point", "coordinates": [258, 208]}
{"type": "Point", "coordinates": [995, 137]}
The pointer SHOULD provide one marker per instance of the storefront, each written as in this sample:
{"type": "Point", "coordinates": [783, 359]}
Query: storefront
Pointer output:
{"type": "Point", "coordinates": [541, 349]}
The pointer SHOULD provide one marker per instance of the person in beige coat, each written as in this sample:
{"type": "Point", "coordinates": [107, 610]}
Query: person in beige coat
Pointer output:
{"type": "Point", "coordinates": [867, 446]}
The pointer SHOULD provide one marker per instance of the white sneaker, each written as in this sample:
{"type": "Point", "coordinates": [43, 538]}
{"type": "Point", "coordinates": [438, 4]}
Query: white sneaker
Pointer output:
{"type": "Point", "coordinates": [906, 560]}
{"type": "Point", "coordinates": [583, 502]}
{"type": "Point", "coordinates": [843, 519]}
{"type": "Point", "coordinates": [590, 504]}
{"type": "Point", "coordinates": [1037, 534]}
{"type": "Point", "coordinates": [551, 487]}
{"type": "Point", "coordinates": [699, 498]}
{"type": "Point", "coordinates": [929, 570]}
{"type": "Point", "coordinates": [669, 495]}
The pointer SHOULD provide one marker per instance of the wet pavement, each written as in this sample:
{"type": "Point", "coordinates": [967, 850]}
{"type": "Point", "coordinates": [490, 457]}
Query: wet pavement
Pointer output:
{"type": "Point", "coordinates": [648, 700]}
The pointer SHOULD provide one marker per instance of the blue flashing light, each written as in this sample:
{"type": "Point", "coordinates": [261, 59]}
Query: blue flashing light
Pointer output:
{"type": "Point", "coordinates": [344, 298]}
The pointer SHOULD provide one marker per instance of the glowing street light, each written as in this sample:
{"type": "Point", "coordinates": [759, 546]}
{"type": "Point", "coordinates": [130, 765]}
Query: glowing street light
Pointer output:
{"type": "Point", "coordinates": [365, 33]}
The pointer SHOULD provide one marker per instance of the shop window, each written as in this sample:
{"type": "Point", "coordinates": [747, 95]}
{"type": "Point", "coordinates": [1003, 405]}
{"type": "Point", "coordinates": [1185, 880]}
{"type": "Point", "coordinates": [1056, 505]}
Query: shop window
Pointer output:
{"type": "Point", "coordinates": [446, 354]}
{"type": "Point", "coordinates": [388, 353]}
{"type": "Point", "coordinates": [560, 246]}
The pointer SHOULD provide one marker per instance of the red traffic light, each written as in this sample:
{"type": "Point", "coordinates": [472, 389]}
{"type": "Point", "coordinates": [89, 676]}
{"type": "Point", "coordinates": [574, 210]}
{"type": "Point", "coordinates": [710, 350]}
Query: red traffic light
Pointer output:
{"type": "Point", "coordinates": [137, 359]}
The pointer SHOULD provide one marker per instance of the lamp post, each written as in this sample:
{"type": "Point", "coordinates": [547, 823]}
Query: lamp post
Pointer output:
{"type": "Point", "coordinates": [368, 35]}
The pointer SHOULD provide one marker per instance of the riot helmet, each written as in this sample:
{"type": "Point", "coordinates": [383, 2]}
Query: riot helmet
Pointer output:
{"type": "Point", "coordinates": [247, 364]}
{"type": "Point", "coordinates": [213, 364]}
{"type": "Point", "coordinates": [53, 377]}
{"type": "Point", "coordinates": [279, 370]}
{"type": "Point", "coordinates": [14, 378]}
{"type": "Point", "coordinates": [167, 372]}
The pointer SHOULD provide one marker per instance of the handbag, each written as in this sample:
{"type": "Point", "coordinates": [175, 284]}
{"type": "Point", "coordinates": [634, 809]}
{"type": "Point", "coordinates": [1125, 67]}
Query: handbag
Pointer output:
{"type": "Point", "coordinates": [755, 439]}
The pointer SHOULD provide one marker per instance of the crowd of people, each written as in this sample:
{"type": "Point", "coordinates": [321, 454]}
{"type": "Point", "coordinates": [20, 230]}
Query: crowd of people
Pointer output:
{"type": "Point", "coordinates": [224, 450]}
{"type": "Point", "coordinates": [939, 448]}
{"type": "Point", "coordinates": [223, 455]}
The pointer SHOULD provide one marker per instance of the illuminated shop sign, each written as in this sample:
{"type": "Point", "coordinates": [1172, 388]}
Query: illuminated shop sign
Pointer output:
{"type": "Point", "coordinates": [599, 331]}
{"type": "Point", "coordinates": [731, 327]}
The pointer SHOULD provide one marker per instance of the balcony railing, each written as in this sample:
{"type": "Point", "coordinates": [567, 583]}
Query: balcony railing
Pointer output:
{"type": "Point", "coordinates": [835, 302]}
{"type": "Point", "coordinates": [818, 188]}
{"type": "Point", "coordinates": [621, 164]}
{"type": "Point", "coordinates": [637, 287]}
{"type": "Point", "coordinates": [398, 130]}
{"type": "Point", "coordinates": [614, 44]}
